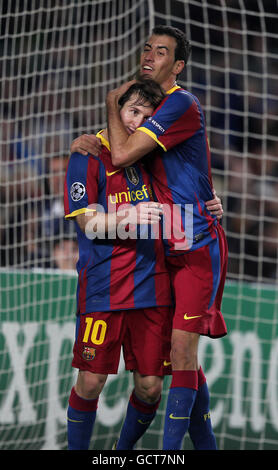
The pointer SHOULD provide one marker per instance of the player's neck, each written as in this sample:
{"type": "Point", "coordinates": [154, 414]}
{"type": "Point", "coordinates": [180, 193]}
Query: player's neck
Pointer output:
{"type": "Point", "coordinates": [168, 84]}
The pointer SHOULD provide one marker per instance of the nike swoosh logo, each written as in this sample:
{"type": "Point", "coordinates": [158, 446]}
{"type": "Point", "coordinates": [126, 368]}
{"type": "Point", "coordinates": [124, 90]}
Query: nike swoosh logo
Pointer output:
{"type": "Point", "coordinates": [143, 422]}
{"type": "Point", "coordinates": [171, 416]}
{"type": "Point", "coordinates": [165, 363]}
{"type": "Point", "coordinates": [189, 318]}
{"type": "Point", "coordinates": [110, 173]}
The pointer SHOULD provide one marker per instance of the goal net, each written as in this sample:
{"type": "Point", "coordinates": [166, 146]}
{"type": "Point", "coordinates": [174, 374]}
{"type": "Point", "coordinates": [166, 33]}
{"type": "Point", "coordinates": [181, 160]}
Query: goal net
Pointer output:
{"type": "Point", "coordinates": [58, 61]}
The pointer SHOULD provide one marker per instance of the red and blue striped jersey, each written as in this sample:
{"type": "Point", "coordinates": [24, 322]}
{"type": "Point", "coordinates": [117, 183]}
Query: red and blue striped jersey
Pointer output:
{"type": "Point", "coordinates": [181, 170]}
{"type": "Point", "coordinates": [113, 274]}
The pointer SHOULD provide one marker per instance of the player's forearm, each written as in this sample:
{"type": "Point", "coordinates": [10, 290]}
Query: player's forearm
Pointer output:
{"type": "Point", "coordinates": [125, 149]}
{"type": "Point", "coordinates": [118, 136]}
{"type": "Point", "coordinates": [99, 223]}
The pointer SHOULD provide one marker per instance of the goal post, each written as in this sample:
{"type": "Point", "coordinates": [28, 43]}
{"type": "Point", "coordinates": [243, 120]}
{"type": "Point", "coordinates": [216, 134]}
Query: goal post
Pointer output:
{"type": "Point", "coordinates": [58, 61]}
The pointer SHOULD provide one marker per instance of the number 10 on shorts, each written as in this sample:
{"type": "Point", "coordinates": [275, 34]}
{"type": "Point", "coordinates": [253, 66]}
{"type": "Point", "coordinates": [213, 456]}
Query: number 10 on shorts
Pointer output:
{"type": "Point", "coordinates": [95, 331]}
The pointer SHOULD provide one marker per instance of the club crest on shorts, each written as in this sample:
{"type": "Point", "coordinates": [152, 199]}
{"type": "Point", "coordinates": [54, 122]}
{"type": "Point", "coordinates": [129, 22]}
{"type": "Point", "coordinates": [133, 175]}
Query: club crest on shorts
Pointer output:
{"type": "Point", "coordinates": [132, 175]}
{"type": "Point", "coordinates": [77, 191]}
{"type": "Point", "coordinates": [88, 353]}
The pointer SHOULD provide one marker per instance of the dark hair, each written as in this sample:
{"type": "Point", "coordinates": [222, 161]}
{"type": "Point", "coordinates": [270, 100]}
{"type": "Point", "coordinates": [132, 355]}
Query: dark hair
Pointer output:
{"type": "Point", "coordinates": [148, 91]}
{"type": "Point", "coordinates": [183, 47]}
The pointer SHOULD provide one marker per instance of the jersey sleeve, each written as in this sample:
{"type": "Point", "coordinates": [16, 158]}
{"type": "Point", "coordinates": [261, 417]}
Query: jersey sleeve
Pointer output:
{"type": "Point", "coordinates": [81, 185]}
{"type": "Point", "coordinates": [175, 120]}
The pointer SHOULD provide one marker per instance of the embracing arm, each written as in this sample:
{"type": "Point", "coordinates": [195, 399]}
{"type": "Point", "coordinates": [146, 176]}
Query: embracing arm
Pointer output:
{"type": "Point", "coordinates": [96, 224]}
{"type": "Point", "coordinates": [86, 144]}
{"type": "Point", "coordinates": [215, 206]}
{"type": "Point", "coordinates": [125, 149]}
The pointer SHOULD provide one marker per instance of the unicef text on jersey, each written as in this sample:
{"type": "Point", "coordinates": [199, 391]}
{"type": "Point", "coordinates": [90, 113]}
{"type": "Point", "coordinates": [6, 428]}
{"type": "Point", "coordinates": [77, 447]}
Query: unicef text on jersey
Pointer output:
{"type": "Point", "coordinates": [176, 224]}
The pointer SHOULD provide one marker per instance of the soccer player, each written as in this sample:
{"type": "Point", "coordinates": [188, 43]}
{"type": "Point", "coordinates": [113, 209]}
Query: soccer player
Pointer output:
{"type": "Point", "coordinates": [175, 137]}
{"type": "Point", "coordinates": [123, 295]}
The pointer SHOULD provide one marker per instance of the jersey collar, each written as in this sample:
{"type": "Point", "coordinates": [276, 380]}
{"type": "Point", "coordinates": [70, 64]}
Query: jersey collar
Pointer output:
{"type": "Point", "coordinates": [174, 88]}
{"type": "Point", "coordinates": [103, 140]}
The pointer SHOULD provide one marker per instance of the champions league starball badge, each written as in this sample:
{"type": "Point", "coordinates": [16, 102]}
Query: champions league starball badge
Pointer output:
{"type": "Point", "coordinates": [77, 191]}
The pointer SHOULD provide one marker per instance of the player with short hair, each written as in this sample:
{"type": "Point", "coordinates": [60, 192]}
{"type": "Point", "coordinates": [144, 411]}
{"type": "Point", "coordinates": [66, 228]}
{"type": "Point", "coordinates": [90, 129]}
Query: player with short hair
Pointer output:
{"type": "Point", "coordinates": [123, 294]}
{"type": "Point", "coordinates": [181, 176]}
{"type": "Point", "coordinates": [175, 137]}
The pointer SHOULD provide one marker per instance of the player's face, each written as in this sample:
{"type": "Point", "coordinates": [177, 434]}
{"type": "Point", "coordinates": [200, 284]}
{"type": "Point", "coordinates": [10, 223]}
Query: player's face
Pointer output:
{"type": "Point", "coordinates": [133, 115]}
{"type": "Point", "coordinates": [158, 60]}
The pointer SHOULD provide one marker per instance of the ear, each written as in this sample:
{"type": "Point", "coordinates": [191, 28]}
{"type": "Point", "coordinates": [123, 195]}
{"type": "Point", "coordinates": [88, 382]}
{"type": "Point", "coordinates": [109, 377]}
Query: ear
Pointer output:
{"type": "Point", "coordinates": [179, 65]}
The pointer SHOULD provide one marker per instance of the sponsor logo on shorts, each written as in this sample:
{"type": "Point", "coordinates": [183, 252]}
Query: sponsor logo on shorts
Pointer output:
{"type": "Point", "coordinates": [186, 317]}
{"type": "Point", "coordinates": [88, 353]}
{"type": "Point", "coordinates": [166, 363]}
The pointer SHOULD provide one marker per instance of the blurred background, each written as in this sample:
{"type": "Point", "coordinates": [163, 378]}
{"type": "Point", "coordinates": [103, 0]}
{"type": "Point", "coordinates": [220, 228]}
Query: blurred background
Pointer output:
{"type": "Point", "coordinates": [58, 60]}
